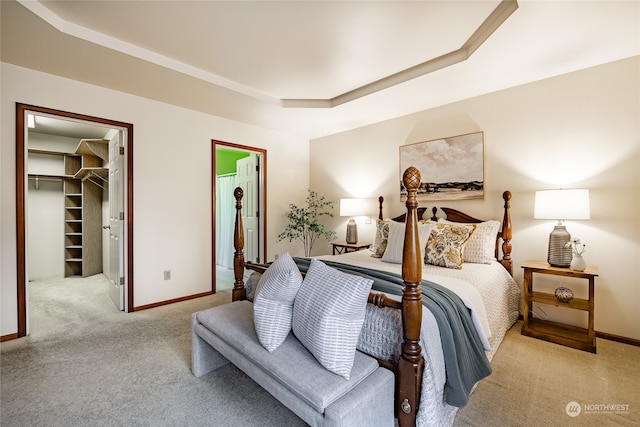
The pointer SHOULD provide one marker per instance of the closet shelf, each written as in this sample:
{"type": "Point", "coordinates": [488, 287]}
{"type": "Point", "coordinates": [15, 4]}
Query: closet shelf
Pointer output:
{"type": "Point", "coordinates": [83, 208]}
{"type": "Point", "coordinates": [85, 173]}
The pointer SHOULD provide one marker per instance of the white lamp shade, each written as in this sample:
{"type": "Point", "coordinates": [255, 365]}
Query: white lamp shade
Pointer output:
{"type": "Point", "coordinates": [560, 205]}
{"type": "Point", "coordinates": [353, 207]}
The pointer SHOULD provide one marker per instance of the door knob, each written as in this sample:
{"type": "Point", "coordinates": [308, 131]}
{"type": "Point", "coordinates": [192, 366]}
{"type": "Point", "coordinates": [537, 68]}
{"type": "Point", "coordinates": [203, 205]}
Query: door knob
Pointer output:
{"type": "Point", "coordinates": [106, 226]}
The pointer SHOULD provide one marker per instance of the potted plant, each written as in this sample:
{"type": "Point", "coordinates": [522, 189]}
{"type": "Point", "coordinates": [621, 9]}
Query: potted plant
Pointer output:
{"type": "Point", "coordinates": [304, 222]}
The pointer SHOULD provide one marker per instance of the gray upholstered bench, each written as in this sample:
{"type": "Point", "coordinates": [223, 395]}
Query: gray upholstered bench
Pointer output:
{"type": "Point", "coordinates": [226, 333]}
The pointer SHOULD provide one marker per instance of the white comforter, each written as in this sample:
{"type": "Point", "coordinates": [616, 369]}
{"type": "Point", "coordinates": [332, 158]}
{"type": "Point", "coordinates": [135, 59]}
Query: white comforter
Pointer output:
{"type": "Point", "coordinates": [486, 289]}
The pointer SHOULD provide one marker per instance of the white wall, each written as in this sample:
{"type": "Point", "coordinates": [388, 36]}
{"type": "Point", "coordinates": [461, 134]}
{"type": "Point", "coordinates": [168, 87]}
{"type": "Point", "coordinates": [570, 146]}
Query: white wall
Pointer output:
{"type": "Point", "coordinates": [580, 130]}
{"type": "Point", "coordinates": [45, 224]}
{"type": "Point", "coordinates": [172, 181]}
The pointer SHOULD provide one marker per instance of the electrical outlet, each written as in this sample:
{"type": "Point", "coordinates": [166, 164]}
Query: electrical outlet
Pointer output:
{"type": "Point", "coordinates": [167, 275]}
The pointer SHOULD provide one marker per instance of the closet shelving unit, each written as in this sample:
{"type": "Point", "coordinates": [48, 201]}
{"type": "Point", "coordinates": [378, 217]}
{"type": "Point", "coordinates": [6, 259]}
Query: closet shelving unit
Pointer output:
{"type": "Point", "coordinates": [85, 175]}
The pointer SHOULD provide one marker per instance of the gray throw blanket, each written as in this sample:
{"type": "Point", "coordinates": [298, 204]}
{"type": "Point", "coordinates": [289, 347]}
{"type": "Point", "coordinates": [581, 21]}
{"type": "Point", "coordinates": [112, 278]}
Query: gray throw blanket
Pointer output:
{"type": "Point", "coordinates": [465, 360]}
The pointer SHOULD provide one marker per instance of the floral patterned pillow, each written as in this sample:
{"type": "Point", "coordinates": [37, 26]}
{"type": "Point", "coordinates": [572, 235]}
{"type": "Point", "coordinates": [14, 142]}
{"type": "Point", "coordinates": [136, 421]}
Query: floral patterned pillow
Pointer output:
{"type": "Point", "coordinates": [381, 238]}
{"type": "Point", "coordinates": [445, 247]}
{"type": "Point", "coordinates": [481, 246]}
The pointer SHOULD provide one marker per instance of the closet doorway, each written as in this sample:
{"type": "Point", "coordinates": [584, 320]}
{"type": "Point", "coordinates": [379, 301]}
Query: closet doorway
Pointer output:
{"type": "Point", "coordinates": [235, 165]}
{"type": "Point", "coordinates": [74, 201]}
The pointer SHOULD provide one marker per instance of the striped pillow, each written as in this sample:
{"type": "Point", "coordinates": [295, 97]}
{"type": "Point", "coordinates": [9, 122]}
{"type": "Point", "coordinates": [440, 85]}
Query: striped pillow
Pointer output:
{"type": "Point", "coordinates": [328, 314]}
{"type": "Point", "coordinates": [395, 242]}
{"type": "Point", "coordinates": [273, 304]}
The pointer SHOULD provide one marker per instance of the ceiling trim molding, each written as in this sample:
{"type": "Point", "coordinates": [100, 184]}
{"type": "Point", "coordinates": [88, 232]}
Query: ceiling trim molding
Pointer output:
{"type": "Point", "coordinates": [113, 43]}
{"type": "Point", "coordinates": [482, 34]}
{"type": "Point", "coordinates": [497, 17]}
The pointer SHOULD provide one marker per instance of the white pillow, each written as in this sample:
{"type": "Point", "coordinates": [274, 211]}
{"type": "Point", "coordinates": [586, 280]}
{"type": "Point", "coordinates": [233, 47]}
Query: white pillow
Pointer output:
{"type": "Point", "coordinates": [395, 242]}
{"type": "Point", "coordinates": [481, 247]}
{"type": "Point", "coordinates": [273, 304]}
{"type": "Point", "coordinates": [328, 314]}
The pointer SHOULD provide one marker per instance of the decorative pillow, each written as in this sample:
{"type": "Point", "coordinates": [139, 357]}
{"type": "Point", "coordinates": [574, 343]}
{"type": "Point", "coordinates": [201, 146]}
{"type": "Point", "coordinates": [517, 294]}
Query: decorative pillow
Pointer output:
{"type": "Point", "coordinates": [446, 244]}
{"type": "Point", "coordinates": [380, 238]}
{"type": "Point", "coordinates": [395, 243]}
{"type": "Point", "coordinates": [273, 304]}
{"type": "Point", "coordinates": [328, 314]}
{"type": "Point", "coordinates": [481, 247]}
{"type": "Point", "coordinates": [251, 284]}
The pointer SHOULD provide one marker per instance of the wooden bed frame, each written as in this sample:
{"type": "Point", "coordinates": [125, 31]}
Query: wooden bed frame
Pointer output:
{"type": "Point", "coordinates": [410, 366]}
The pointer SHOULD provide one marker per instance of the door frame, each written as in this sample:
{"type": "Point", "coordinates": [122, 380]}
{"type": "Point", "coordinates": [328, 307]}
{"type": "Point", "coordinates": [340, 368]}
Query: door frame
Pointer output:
{"type": "Point", "coordinates": [21, 153]}
{"type": "Point", "coordinates": [263, 204]}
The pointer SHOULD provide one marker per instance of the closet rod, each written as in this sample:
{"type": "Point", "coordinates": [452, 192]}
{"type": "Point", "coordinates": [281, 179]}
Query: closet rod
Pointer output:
{"type": "Point", "coordinates": [38, 178]}
{"type": "Point", "coordinates": [94, 182]}
{"type": "Point", "coordinates": [91, 175]}
{"type": "Point", "coordinates": [44, 178]}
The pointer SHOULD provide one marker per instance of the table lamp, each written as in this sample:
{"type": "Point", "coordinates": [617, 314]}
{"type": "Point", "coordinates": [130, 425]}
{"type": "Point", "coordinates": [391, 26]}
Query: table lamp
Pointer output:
{"type": "Point", "coordinates": [352, 208]}
{"type": "Point", "coordinates": [561, 205]}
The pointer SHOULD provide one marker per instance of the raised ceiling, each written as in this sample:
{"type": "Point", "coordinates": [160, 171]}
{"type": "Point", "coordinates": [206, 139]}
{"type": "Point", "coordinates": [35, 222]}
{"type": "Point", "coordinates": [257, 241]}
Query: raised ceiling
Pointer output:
{"type": "Point", "coordinates": [252, 60]}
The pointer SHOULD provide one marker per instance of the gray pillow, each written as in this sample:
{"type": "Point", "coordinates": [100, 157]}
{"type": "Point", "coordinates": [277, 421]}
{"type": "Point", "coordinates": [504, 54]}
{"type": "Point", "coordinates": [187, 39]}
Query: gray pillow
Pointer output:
{"type": "Point", "coordinates": [251, 284]}
{"type": "Point", "coordinates": [273, 304]}
{"type": "Point", "coordinates": [328, 314]}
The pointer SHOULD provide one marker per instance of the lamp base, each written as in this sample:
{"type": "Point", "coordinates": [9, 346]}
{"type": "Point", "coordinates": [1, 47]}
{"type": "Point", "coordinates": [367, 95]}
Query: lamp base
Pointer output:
{"type": "Point", "coordinates": [557, 254]}
{"type": "Point", "coordinates": [352, 232]}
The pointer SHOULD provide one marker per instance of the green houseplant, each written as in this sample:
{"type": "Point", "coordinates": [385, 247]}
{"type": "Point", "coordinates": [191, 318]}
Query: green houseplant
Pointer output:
{"type": "Point", "coordinates": [304, 222]}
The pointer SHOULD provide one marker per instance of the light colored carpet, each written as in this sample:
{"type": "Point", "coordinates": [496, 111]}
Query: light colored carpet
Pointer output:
{"type": "Point", "coordinates": [87, 364]}
{"type": "Point", "coordinates": [533, 381]}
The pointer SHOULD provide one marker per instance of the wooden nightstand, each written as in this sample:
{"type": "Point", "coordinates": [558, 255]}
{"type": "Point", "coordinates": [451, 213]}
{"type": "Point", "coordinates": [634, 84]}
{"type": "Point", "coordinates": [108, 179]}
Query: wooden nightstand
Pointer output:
{"type": "Point", "coordinates": [572, 336]}
{"type": "Point", "coordinates": [344, 247]}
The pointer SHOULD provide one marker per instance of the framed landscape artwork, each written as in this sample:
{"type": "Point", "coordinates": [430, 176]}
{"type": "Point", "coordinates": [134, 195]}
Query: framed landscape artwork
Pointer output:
{"type": "Point", "coordinates": [450, 168]}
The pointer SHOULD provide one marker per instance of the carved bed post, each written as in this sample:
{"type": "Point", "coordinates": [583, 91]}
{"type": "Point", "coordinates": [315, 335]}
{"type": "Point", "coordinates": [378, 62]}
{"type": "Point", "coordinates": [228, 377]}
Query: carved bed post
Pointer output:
{"type": "Point", "coordinates": [380, 201]}
{"type": "Point", "coordinates": [411, 364]}
{"type": "Point", "coordinates": [507, 233]}
{"type": "Point", "coordinates": [239, 292]}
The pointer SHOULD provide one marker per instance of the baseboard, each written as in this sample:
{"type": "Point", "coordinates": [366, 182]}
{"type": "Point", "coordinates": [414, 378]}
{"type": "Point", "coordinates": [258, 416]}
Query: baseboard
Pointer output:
{"type": "Point", "coordinates": [618, 338]}
{"type": "Point", "coordinates": [8, 337]}
{"type": "Point", "coordinates": [171, 301]}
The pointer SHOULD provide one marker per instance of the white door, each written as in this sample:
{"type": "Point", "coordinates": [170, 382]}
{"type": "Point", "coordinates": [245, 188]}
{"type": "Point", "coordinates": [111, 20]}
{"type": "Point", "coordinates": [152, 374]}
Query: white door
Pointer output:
{"type": "Point", "coordinates": [116, 219]}
{"type": "Point", "coordinates": [247, 179]}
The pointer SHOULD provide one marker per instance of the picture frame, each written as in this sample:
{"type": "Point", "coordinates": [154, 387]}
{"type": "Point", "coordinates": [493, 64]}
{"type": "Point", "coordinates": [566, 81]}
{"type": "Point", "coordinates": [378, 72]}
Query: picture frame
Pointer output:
{"type": "Point", "coordinates": [451, 168]}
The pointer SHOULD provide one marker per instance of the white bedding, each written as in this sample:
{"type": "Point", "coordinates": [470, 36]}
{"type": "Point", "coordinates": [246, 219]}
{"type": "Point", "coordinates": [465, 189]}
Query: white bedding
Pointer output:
{"type": "Point", "coordinates": [487, 289]}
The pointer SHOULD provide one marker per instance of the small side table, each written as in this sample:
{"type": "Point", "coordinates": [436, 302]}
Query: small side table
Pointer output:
{"type": "Point", "coordinates": [572, 336]}
{"type": "Point", "coordinates": [344, 247]}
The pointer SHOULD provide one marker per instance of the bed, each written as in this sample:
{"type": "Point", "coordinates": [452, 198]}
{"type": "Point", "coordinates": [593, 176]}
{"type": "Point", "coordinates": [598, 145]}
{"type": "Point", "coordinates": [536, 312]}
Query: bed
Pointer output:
{"type": "Point", "coordinates": [414, 342]}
